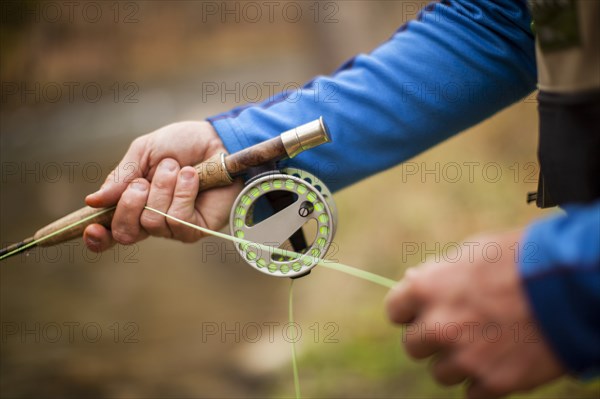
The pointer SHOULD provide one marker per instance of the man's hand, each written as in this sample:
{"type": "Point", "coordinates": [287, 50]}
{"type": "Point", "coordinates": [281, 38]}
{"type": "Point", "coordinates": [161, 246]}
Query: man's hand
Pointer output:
{"type": "Point", "coordinates": [157, 171]}
{"type": "Point", "coordinates": [473, 317]}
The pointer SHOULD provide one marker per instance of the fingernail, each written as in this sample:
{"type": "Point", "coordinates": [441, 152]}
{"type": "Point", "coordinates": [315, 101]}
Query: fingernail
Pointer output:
{"type": "Point", "coordinates": [187, 175]}
{"type": "Point", "coordinates": [92, 242]}
{"type": "Point", "coordinates": [168, 165]}
{"type": "Point", "coordinates": [136, 185]}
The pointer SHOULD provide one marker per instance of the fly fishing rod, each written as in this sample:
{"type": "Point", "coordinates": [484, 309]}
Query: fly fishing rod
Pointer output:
{"type": "Point", "coordinates": [296, 198]}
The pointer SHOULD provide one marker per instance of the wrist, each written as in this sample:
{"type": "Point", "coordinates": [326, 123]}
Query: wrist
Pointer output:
{"type": "Point", "coordinates": [212, 141]}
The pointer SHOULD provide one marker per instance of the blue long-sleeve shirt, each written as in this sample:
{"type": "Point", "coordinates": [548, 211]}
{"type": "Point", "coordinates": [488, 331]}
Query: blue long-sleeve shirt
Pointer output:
{"type": "Point", "coordinates": [458, 63]}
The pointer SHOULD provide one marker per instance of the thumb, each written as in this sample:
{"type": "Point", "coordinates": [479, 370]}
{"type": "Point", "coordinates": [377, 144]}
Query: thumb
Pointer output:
{"type": "Point", "coordinates": [130, 168]}
{"type": "Point", "coordinates": [402, 301]}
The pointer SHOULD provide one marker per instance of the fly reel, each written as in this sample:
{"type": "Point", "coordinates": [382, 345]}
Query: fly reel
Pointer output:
{"type": "Point", "coordinates": [302, 206]}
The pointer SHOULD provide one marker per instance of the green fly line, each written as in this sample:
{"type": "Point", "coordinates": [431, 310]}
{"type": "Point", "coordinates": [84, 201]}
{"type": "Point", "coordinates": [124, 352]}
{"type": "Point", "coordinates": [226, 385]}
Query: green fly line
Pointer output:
{"type": "Point", "coordinates": [294, 358]}
{"type": "Point", "coordinates": [44, 238]}
{"type": "Point", "coordinates": [353, 271]}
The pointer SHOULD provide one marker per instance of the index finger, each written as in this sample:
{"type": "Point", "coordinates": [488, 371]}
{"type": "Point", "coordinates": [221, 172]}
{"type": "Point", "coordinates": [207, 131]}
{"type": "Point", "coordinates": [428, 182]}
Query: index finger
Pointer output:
{"type": "Point", "coordinates": [402, 302]}
{"type": "Point", "coordinates": [130, 168]}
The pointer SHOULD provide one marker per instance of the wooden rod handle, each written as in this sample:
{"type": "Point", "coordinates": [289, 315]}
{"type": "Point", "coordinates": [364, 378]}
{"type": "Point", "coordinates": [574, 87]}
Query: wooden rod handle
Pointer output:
{"type": "Point", "coordinates": [213, 172]}
{"type": "Point", "coordinates": [102, 216]}
{"type": "Point", "coordinates": [217, 171]}
{"type": "Point", "coordinates": [258, 154]}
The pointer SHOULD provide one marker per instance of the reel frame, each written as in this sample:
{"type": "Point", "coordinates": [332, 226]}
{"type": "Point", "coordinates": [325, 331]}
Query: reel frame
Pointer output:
{"type": "Point", "coordinates": [309, 199]}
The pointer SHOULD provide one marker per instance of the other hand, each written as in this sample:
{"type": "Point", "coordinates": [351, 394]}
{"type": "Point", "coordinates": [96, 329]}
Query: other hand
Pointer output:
{"type": "Point", "coordinates": [473, 318]}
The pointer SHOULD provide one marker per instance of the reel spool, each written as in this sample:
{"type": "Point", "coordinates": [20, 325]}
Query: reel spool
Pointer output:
{"type": "Point", "coordinates": [298, 198]}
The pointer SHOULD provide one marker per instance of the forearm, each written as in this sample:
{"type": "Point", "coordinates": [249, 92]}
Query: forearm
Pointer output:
{"type": "Point", "coordinates": [560, 267]}
{"type": "Point", "coordinates": [452, 67]}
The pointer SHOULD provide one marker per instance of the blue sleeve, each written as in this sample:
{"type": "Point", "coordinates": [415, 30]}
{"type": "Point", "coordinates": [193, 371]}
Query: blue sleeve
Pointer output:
{"type": "Point", "coordinates": [560, 268]}
{"type": "Point", "coordinates": [456, 64]}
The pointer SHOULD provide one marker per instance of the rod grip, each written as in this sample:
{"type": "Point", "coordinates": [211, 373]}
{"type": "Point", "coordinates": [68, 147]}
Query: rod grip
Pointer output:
{"type": "Point", "coordinates": [102, 216]}
{"type": "Point", "coordinates": [213, 172]}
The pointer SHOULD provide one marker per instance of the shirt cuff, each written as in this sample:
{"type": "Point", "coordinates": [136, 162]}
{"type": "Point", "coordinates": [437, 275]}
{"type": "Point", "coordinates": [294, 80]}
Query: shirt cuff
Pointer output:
{"type": "Point", "coordinates": [560, 270]}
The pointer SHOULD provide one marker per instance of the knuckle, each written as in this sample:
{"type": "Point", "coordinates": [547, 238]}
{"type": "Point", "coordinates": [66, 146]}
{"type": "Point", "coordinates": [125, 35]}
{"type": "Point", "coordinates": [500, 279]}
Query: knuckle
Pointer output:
{"type": "Point", "coordinates": [163, 183]}
{"type": "Point", "coordinates": [150, 221]}
{"type": "Point", "coordinates": [170, 163]}
{"type": "Point", "coordinates": [445, 371]}
{"type": "Point", "coordinates": [175, 225]}
{"type": "Point", "coordinates": [493, 385]}
{"type": "Point", "coordinates": [412, 278]}
{"type": "Point", "coordinates": [188, 238]}
{"type": "Point", "coordinates": [467, 363]}
{"type": "Point", "coordinates": [178, 211]}
{"type": "Point", "coordinates": [137, 143]}
{"type": "Point", "coordinates": [182, 232]}
{"type": "Point", "coordinates": [440, 378]}
{"type": "Point", "coordinates": [419, 286]}
{"type": "Point", "coordinates": [123, 237]}
{"type": "Point", "coordinates": [414, 347]}
{"type": "Point", "coordinates": [128, 202]}
{"type": "Point", "coordinates": [415, 274]}
{"type": "Point", "coordinates": [111, 178]}
{"type": "Point", "coordinates": [412, 351]}
{"type": "Point", "coordinates": [178, 125]}
{"type": "Point", "coordinates": [390, 303]}
{"type": "Point", "coordinates": [183, 194]}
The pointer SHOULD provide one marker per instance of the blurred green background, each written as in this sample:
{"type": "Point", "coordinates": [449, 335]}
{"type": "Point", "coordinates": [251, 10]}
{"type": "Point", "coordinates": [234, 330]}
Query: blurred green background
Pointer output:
{"type": "Point", "coordinates": [161, 319]}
